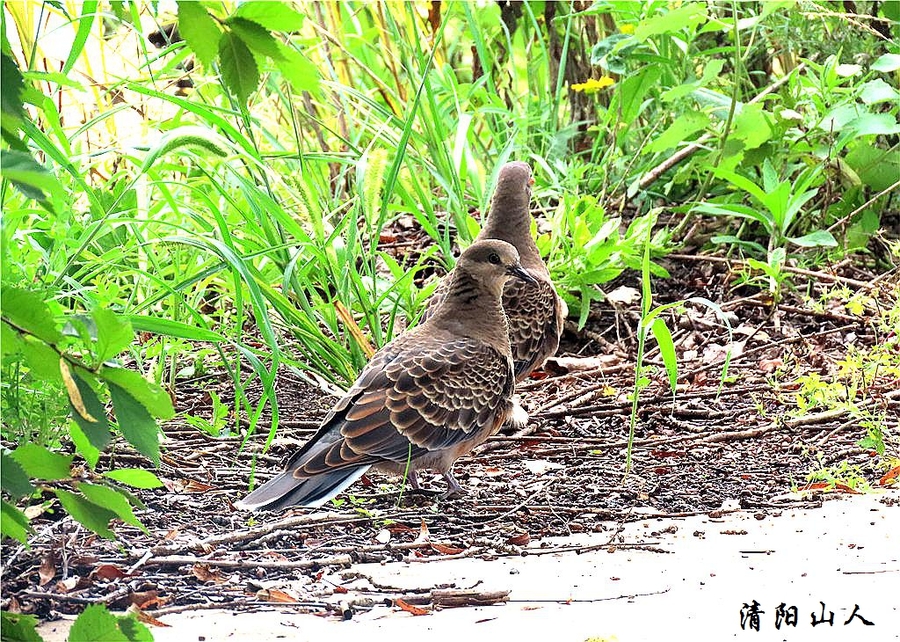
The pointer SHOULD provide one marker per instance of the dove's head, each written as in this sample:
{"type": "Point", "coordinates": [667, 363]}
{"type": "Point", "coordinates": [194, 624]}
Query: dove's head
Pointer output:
{"type": "Point", "coordinates": [492, 262]}
{"type": "Point", "coordinates": [510, 215]}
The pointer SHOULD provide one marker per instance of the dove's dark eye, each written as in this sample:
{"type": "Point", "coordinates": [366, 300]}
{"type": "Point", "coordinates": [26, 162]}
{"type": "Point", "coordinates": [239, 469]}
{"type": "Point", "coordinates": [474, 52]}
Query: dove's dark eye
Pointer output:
{"type": "Point", "coordinates": [494, 258]}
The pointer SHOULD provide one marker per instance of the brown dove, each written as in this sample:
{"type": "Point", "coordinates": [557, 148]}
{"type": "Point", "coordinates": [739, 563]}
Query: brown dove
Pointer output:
{"type": "Point", "coordinates": [425, 399]}
{"type": "Point", "coordinates": [534, 310]}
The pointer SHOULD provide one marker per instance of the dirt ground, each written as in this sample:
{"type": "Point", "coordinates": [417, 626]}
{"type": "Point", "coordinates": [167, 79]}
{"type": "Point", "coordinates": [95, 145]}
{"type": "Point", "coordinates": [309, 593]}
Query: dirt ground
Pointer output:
{"type": "Point", "coordinates": [719, 448]}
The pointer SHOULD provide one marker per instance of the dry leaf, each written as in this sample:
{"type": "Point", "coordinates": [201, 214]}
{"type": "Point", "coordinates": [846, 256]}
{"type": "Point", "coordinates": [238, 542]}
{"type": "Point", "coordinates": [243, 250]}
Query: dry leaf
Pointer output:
{"type": "Point", "coordinates": [193, 486]}
{"type": "Point", "coordinates": [623, 295]}
{"type": "Point", "coordinates": [35, 510]}
{"type": "Point", "coordinates": [423, 534]}
{"type": "Point", "coordinates": [347, 319]}
{"type": "Point", "coordinates": [109, 572]}
{"type": "Point", "coordinates": [74, 393]}
{"type": "Point", "coordinates": [146, 599]}
{"type": "Point", "coordinates": [143, 617]}
{"type": "Point", "coordinates": [890, 476]}
{"type": "Point", "coordinates": [206, 574]}
{"type": "Point", "coordinates": [443, 549]}
{"type": "Point", "coordinates": [66, 585]}
{"type": "Point", "coordinates": [409, 608]}
{"type": "Point", "coordinates": [274, 595]}
{"type": "Point", "coordinates": [522, 539]}
{"type": "Point", "coordinates": [47, 569]}
{"type": "Point", "coordinates": [579, 364]}
{"type": "Point", "coordinates": [541, 466]}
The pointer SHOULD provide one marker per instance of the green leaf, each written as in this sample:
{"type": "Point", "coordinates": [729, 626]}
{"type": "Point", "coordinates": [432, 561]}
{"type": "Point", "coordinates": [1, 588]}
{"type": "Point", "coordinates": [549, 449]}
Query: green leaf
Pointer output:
{"type": "Point", "coordinates": [666, 349]}
{"type": "Point", "coordinates": [299, 70]}
{"type": "Point", "coordinates": [90, 515]}
{"type": "Point", "coordinates": [199, 30]}
{"type": "Point", "coordinates": [135, 477]}
{"type": "Point", "coordinates": [878, 91]}
{"type": "Point", "coordinates": [114, 333]}
{"type": "Point", "coordinates": [40, 463]}
{"type": "Point", "coordinates": [113, 500]}
{"type": "Point", "coordinates": [679, 131]}
{"type": "Point", "coordinates": [29, 312]}
{"type": "Point", "coordinates": [97, 624]}
{"type": "Point", "coordinates": [135, 423]}
{"type": "Point", "coordinates": [150, 395]}
{"type": "Point", "coordinates": [751, 126]}
{"type": "Point", "coordinates": [42, 360]}
{"type": "Point", "coordinates": [633, 89]}
{"type": "Point", "coordinates": [256, 37]}
{"type": "Point", "coordinates": [29, 177]}
{"type": "Point", "coordinates": [11, 88]}
{"type": "Point", "coordinates": [275, 16]}
{"type": "Point", "coordinates": [17, 627]}
{"type": "Point", "coordinates": [134, 630]}
{"type": "Point", "coordinates": [239, 71]}
{"type": "Point", "coordinates": [96, 432]}
{"type": "Point", "coordinates": [171, 328]}
{"type": "Point", "coordinates": [819, 238]}
{"type": "Point", "coordinates": [85, 23]}
{"type": "Point", "coordinates": [888, 62]}
{"type": "Point", "coordinates": [673, 21]}
{"type": "Point", "coordinates": [14, 523]}
{"type": "Point", "coordinates": [10, 341]}
{"type": "Point", "coordinates": [13, 478]}
{"type": "Point", "coordinates": [83, 445]}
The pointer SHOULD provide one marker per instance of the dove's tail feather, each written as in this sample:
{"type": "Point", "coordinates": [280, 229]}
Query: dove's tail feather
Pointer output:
{"type": "Point", "coordinates": [286, 490]}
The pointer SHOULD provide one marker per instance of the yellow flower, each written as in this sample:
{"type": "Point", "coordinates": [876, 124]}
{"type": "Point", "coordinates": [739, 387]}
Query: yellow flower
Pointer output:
{"type": "Point", "coordinates": [627, 29]}
{"type": "Point", "coordinates": [592, 85]}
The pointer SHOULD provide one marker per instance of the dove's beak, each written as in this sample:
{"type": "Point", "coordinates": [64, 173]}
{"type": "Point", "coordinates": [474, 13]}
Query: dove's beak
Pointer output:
{"type": "Point", "coordinates": [521, 273]}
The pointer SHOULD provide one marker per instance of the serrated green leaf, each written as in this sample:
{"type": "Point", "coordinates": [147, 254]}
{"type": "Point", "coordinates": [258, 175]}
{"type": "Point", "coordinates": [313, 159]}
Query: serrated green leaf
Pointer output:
{"type": "Point", "coordinates": [135, 477]}
{"type": "Point", "coordinates": [94, 517]}
{"type": "Point", "coordinates": [40, 463]}
{"type": "Point", "coordinates": [13, 478]}
{"type": "Point", "coordinates": [83, 445]}
{"type": "Point", "coordinates": [19, 628]}
{"type": "Point", "coordinates": [10, 342]}
{"type": "Point", "coordinates": [199, 30]}
{"type": "Point", "coordinates": [113, 500]}
{"type": "Point", "coordinates": [29, 312]}
{"type": "Point", "coordinates": [299, 70]}
{"type": "Point", "coordinates": [96, 624]}
{"type": "Point", "coordinates": [134, 630]}
{"type": "Point", "coordinates": [150, 395]}
{"type": "Point", "coordinates": [96, 432]}
{"type": "Point", "coordinates": [114, 333]}
{"type": "Point", "coordinates": [42, 360]}
{"type": "Point", "coordinates": [135, 422]}
{"type": "Point", "coordinates": [239, 71]}
{"type": "Point", "coordinates": [274, 16]}
{"type": "Point", "coordinates": [256, 37]}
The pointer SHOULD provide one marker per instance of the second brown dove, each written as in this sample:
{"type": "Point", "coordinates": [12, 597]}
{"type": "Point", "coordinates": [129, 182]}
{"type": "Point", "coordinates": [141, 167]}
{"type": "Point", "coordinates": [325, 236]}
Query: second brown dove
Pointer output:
{"type": "Point", "coordinates": [534, 310]}
{"type": "Point", "coordinates": [425, 399]}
